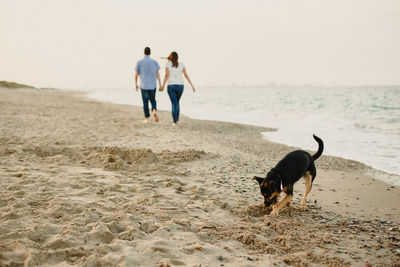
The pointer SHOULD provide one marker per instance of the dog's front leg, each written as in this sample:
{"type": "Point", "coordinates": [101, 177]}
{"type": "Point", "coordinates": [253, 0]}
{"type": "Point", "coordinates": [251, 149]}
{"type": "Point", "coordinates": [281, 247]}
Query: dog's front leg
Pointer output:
{"type": "Point", "coordinates": [280, 205]}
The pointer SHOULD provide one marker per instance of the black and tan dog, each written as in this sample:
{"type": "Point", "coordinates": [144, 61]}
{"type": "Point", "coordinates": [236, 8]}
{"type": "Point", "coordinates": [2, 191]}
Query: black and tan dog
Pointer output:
{"type": "Point", "coordinates": [285, 174]}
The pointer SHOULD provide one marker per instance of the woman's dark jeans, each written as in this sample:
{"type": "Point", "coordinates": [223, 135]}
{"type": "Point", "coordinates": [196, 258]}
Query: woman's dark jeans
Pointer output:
{"type": "Point", "coordinates": [175, 92]}
{"type": "Point", "coordinates": [146, 96]}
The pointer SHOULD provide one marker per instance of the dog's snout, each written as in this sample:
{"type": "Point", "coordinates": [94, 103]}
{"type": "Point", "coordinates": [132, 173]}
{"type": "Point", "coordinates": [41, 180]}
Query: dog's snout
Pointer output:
{"type": "Point", "coordinates": [270, 201]}
{"type": "Point", "coordinates": [267, 203]}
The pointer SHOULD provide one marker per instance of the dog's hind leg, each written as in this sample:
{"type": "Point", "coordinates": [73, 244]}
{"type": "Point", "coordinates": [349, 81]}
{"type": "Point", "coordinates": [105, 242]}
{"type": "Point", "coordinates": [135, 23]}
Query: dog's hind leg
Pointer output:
{"type": "Point", "coordinates": [308, 178]}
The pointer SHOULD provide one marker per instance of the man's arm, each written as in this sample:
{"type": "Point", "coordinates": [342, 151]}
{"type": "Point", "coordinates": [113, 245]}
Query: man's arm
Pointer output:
{"type": "Point", "coordinates": [136, 80]}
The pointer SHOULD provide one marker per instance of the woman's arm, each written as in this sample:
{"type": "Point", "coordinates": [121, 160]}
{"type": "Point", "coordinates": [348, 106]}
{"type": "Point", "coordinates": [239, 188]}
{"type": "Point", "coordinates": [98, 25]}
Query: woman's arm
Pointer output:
{"type": "Point", "coordinates": [165, 79]}
{"type": "Point", "coordinates": [159, 78]}
{"type": "Point", "coordinates": [188, 79]}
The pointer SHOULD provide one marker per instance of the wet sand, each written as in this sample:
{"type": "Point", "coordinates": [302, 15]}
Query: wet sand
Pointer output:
{"type": "Point", "coordinates": [87, 183]}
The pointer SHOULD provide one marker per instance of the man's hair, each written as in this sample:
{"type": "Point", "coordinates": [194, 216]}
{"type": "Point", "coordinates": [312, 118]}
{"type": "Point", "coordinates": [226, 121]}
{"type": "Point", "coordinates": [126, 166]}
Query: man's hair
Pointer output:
{"type": "Point", "coordinates": [147, 51]}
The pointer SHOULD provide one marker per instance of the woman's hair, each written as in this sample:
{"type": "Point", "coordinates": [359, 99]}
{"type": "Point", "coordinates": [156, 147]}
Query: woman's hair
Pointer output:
{"type": "Point", "coordinates": [174, 59]}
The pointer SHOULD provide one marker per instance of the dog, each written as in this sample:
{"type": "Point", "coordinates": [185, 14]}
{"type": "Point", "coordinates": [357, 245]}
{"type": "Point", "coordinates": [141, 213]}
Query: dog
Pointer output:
{"type": "Point", "coordinates": [285, 174]}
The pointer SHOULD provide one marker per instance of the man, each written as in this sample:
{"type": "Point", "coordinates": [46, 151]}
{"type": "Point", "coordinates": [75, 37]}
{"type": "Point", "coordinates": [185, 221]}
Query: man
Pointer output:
{"type": "Point", "coordinates": [148, 70]}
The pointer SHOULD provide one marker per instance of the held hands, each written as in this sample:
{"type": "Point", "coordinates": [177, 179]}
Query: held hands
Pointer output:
{"type": "Point", "coordinates": [162, 89]}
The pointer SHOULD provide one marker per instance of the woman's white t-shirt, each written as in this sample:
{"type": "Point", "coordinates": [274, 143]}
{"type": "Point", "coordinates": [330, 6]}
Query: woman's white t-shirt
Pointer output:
{"type": "Point", "coordinates": [175, 74]}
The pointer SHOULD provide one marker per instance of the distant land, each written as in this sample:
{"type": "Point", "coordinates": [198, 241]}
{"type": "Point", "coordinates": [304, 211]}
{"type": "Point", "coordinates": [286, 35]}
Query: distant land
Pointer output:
{"type": "Point", "coordinates": [13, 85]}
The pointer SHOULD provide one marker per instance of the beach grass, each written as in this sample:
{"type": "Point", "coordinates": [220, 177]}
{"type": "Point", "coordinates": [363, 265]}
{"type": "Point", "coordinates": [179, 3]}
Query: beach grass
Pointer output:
{"type": "Point", "coordinates": [14, 85]}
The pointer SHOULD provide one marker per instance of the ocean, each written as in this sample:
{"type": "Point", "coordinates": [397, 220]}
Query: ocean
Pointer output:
{"type": "Point", "coordinates": [358, 123]}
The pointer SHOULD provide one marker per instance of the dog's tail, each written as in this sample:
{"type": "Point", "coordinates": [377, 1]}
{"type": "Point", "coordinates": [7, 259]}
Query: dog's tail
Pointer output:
{"type": "Point", "coordinates": [320, 147]}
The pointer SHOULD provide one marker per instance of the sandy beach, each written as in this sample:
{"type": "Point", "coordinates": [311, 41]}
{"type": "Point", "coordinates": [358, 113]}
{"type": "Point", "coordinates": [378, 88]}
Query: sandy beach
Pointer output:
{"type": "Point", "coordinates": [87, 183]}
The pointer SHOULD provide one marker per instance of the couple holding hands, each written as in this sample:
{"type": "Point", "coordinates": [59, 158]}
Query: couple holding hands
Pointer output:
{"type": "Point", "coordinates": [148, 71]}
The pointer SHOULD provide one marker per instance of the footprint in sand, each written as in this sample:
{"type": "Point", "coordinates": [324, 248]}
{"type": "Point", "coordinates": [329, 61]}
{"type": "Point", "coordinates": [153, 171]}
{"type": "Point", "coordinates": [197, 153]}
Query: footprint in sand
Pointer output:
{"type": "Point", "coordinates": [148, 227]}
{"type": "Point", "coordinates": [39, 234]}
{"type": "Point", "coordinates": [131, 233]}
{"type": "Point", "coordinates": [100, 234]}
{"type": "Point", "coordinates": [116, 227]}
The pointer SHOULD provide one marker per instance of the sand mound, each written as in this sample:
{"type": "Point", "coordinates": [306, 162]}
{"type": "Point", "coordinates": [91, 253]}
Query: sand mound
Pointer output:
{"type": "Point", "coordinates": [139, 156]}
{"type": "Point", "coordinates": [113, 158]}
{"type": "Point", "coordinates": [181, 156]}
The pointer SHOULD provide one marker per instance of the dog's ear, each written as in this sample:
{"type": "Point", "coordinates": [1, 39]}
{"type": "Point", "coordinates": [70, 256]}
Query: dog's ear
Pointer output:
{"type": "Point", "coordinates": [258, 179]}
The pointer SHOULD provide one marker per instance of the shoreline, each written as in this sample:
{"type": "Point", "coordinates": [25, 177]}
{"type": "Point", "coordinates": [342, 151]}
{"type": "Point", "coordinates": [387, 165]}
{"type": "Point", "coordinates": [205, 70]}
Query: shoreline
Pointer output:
{"type": "Point", "coordinates": [388, 177]}
{"type": "Point", "coordinates": [85, 182]}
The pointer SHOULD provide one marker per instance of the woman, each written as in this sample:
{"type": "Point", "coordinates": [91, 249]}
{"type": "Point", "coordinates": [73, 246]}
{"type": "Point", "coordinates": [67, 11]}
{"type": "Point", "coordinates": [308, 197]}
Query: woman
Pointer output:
{"type": "Point", "coordinates": [173, 74]}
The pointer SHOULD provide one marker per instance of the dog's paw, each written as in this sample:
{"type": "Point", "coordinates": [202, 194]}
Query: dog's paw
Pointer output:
{"type": "Point", "coordinates": [303, 203]}
{"type": "Point", "coordinates": [304, 207]}
{"type": "Point", "coordinates": [274, 212]}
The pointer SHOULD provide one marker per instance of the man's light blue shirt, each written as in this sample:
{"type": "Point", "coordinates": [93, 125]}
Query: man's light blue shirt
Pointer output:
{"type": "Point", "coordinates": [147, 69]}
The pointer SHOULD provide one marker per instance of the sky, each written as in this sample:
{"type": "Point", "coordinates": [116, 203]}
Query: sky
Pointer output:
{"type": "Point", "coordinates": [82, 44]}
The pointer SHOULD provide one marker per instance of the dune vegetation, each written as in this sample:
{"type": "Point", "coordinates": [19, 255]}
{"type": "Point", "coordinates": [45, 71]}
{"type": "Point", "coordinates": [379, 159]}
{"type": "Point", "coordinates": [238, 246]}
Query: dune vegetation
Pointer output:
{"type": "Point", "coordinates": [14, 85]}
